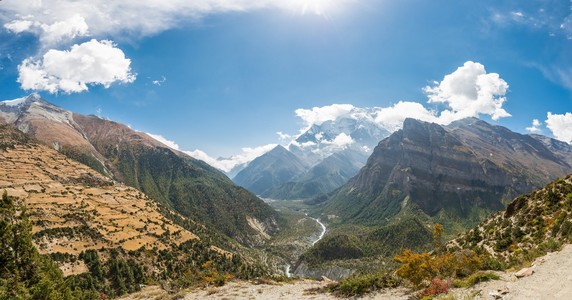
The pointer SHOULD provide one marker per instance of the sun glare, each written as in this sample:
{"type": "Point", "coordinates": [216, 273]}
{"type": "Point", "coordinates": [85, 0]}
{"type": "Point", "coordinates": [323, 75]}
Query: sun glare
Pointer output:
{"type": "Point", "coordinates": [317, 7]}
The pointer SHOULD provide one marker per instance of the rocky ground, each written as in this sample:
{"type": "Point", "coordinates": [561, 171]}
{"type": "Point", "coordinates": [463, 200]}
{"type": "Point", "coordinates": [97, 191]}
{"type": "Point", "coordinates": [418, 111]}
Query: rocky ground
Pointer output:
{"type": "Point", "coordinates": [549, 277]}
{"type": "Point", "coordinates": [303, 289]}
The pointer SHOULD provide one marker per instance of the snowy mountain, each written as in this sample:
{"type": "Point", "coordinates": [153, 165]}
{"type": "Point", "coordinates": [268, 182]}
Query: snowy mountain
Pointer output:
{"type": "Point", "coordinates": [332, 151]}
{"type": "Point", "coordinates": [358, 132]}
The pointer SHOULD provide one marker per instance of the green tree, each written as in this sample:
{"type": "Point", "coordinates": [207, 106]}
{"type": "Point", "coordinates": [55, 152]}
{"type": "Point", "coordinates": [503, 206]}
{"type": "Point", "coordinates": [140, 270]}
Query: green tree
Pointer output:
{"type": "Point", "coordinates": [24, 273]}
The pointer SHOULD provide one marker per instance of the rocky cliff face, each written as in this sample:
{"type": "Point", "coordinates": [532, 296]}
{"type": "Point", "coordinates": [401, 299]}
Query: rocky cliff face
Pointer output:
{"type": "Point", "coordinates": [452, 174]}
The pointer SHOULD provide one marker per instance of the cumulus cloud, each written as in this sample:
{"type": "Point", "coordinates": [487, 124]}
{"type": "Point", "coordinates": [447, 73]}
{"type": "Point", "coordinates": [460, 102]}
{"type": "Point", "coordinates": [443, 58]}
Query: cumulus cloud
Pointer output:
{"type": "Point", "coordinates": [247, 155]}
{"type": "Point", "coordinates": [161, 139]}
{"type": "Point", "coordinates": [19, 26]}
{"type": "Point", "coordinates": [560, 125]}
{"type": "Point", "coordinates": [391, 118]}
{"type": "Point", "coordinates": [63, 30]}
{"type": "Point", "coordinates": [58, 23]}
{"type": "Point", "coordinates": [91, 63]}
{"type": "Point", "coordinates": [535, 127]}
{"type": "Point", "coordinates": [319, 115]}
{"type": "Point", "coordinates": [468, 92]}
{"type": "Point", "coordinates": [201, 155]}
{"type": "Point", "coordinates": [342, 140]}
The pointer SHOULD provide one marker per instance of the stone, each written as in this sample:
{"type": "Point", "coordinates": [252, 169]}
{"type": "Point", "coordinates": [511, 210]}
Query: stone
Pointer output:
{"type": "Point", "coordinates": [524, 273]}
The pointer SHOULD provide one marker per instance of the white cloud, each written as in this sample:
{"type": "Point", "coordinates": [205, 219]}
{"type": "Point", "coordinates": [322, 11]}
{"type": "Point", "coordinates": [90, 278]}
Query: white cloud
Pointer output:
{"type": "Point", "coordinates": [143, 17]}
{"type": "Point", "coordinates": [161, 139]}
{"type": "Point", "coordinates": [560, 125]}
{"type": "Point", "coordinates": [201, 155]}
{"type": "Point", "coordinates": [19, 26]}
{"type": "Point", "coordinates": [560, 74]}
{"type": "Point", "coordinates": [64, 30]}
{"type": "Point", "coordinates": [469, 92]}
{"type": "Point", "coordinates": [51, 33]}
{"type": "Point", "coordinates": [391, 118]}
{"type": "Point", "coordinates": [91, 63]}
{"type": "Point", "coordinates": [342, 140]}
{"type": "Point", "coordinates": [283, 136]}
{"type": "Point", "coordinates": [159, 82]}
{"type": "Point", "coordinates": [319, 115]}
{"type": "Point", "coordinates": [225, 164]}
{"type": "Point", "coordinates": [247, 155]}
{"type": "Point", "coordinates": [59, 23]}
{"type": "Point", "coordinates": [535, 127]}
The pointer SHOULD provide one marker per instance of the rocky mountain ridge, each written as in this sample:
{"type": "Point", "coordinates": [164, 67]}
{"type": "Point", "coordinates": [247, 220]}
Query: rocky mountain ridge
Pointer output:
{"type": "Point", "coordinates": [186, 185]}
{"type": "Point", "coordinates": [456, 172]}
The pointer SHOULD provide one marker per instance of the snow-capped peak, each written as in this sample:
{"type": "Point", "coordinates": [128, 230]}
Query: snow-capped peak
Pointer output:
{"type": "Point", "coordinates": [20, 101]}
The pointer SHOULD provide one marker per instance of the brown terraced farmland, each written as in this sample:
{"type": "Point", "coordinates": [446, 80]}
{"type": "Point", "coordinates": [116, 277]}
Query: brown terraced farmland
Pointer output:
{"type": "Point", "coordinates": [73, 208]}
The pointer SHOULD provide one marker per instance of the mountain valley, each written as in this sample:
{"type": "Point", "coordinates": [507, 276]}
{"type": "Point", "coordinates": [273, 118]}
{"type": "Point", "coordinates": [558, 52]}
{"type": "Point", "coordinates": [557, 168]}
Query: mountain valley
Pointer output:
{"type": "Point", "coordinates": [99, 194]}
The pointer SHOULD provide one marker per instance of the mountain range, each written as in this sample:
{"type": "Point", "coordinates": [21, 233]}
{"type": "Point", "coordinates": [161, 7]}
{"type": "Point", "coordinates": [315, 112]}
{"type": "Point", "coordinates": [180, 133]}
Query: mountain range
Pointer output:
{"type": "Point", "coordinates": [318, 161]}
{"type": "Point", "coordinates": [172, 178]}
{"type": "Point", "coordinates": [454, 172]}
{"type": "Point", "coordinates": [97, 188]}
{"type": "Point", "coordinates": [426, 173]}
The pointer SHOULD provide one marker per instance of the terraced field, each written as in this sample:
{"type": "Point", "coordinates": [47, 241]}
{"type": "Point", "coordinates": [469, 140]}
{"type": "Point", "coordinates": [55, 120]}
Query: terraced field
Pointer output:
{"type": "Point", "coordinates": [74, 208]}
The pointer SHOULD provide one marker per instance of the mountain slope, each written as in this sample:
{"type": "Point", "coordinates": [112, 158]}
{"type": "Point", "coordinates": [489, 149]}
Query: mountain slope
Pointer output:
{"type": "Point", "coordinates": [188, 186]}
{"type": "Point", "coordinates": [100, 233]}
{"type": "Point", "coordinates": [270, 170]}
{"type": "Point", "coordinates": [531, 225]}
{"type": "Point", "coordinates": [326, 176]}
{"type": "Point", "coordinates": [63, 195]}
{"type": "Point", "coordinates": [455, 174]}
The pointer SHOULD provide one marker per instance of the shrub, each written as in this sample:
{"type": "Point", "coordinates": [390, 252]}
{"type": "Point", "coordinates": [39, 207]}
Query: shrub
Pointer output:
{"type": "Point", "coordinates": [420, 267]}
{"type": "Point", "coordinates": [476, 278]}
{"type": "Point", "coordinates": [415, 267]}
{"type": "Point", "coordinates": [357, 285]}
{"type": "Point", "coordinates": [436, 287]}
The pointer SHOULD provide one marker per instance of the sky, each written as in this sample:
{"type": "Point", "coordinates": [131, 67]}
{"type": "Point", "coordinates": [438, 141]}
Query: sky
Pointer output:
{"type": "Point", "coordinates": [233, 78]}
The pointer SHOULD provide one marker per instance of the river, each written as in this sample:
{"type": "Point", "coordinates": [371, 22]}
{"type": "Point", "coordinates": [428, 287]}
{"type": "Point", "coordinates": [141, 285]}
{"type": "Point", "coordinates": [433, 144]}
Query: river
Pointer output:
{"type": "Point", "coordinates": [321, 236]}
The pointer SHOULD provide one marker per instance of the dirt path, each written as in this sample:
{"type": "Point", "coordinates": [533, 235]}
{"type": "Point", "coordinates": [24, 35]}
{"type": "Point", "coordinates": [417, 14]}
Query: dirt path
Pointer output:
{"type": "Point", "coordinates": [298, 290]}
{"type": "Point", "coordinates": [551, 279]}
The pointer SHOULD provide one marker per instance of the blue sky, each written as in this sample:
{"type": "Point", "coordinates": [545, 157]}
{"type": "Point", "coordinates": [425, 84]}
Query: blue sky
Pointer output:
{"type": "Point", "coordinates": [227, 74]}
